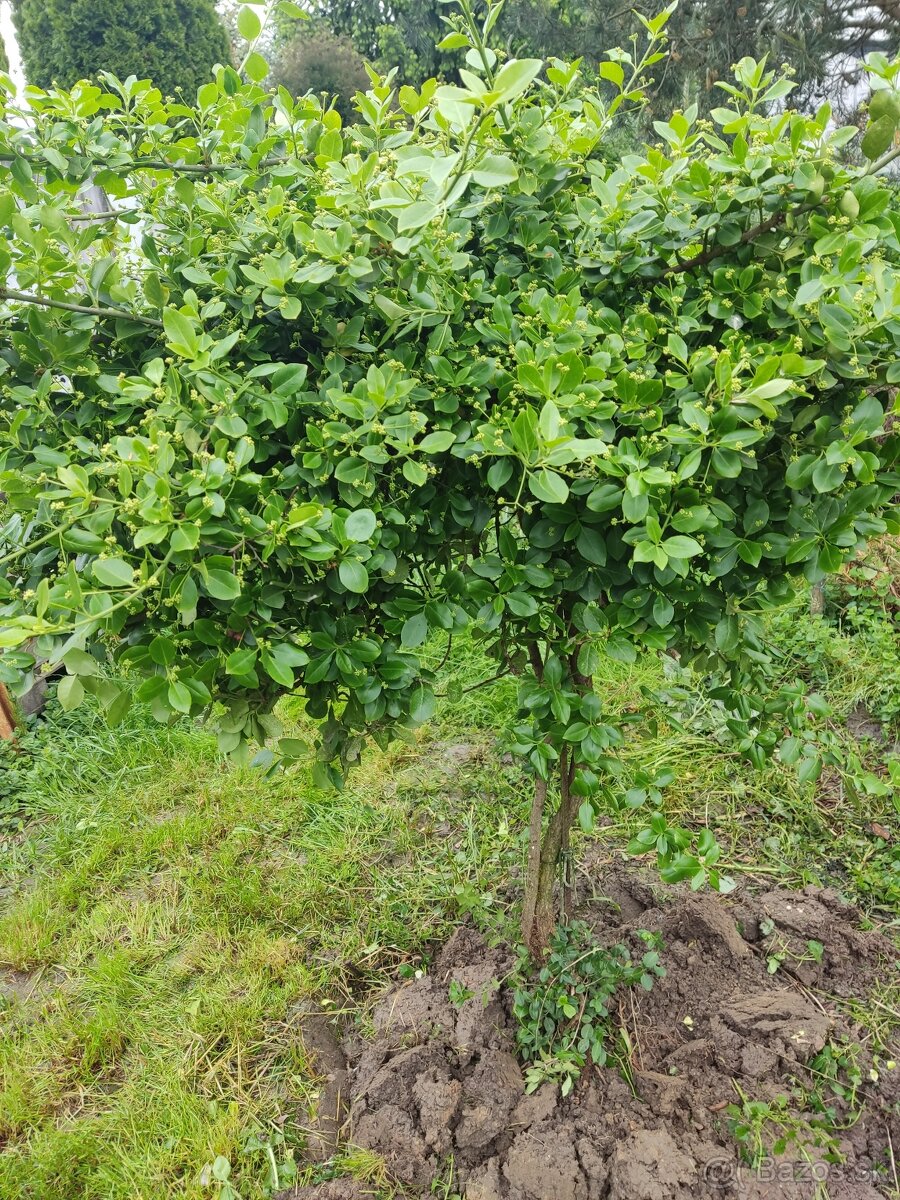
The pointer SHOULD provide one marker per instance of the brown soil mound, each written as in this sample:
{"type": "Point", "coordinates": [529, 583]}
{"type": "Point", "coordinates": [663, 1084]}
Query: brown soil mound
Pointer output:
{"type": "Point", "coordinates": [441, 1083]}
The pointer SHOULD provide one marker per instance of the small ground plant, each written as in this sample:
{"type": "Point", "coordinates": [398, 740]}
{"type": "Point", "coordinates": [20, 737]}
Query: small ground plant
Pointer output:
{"type": "Point", "coordinates": [769, 1128]}
{"type": "Point", "coordinates": [565, 1017]}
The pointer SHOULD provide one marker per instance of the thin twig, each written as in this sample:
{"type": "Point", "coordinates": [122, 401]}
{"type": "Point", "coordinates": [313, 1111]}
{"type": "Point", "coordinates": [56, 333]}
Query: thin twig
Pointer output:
{"type": "Point", "coordinates": [162, 164]}
{"type": "Point", "coordinates": [87, 309]}
{"type": "Point", "coordinates": [90, 217]}
{"type": "Point", "coordinates": [700, 260]}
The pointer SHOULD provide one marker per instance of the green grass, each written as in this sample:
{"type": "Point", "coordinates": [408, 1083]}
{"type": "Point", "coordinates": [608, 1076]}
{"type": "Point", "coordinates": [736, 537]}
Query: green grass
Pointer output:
{"type": "Point", "coordinates": [166, 916]}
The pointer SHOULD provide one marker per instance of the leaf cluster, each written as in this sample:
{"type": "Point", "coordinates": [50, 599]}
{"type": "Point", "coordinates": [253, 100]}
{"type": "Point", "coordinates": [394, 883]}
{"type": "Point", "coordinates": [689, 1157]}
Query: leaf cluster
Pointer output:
{"type": "Point", "coordinates": [564, 1018]}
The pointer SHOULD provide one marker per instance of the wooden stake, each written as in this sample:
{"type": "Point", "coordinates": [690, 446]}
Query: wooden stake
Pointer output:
{"type": "Point", "coordinates": [8, 720]}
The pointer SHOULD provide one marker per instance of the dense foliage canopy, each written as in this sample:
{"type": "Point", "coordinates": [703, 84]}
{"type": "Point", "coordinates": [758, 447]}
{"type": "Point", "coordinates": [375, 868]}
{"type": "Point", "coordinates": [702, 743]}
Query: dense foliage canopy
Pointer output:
{"type": "Point", "coordinates": [317, 396]}
{"type": "Point", "coordinates": [175, 43]}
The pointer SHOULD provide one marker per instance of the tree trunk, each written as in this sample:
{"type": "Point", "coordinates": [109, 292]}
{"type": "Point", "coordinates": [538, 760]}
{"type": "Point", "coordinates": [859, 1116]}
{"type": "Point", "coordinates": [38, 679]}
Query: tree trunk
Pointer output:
{"type": "Point", "coordinates": [532, 872]}
{"type": "Point", "coordinates": [539, 915]}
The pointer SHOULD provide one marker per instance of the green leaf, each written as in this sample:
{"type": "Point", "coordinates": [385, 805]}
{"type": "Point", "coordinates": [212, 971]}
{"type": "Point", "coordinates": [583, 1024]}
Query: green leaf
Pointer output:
{"type": "Point", "coordinates": [114, 572]}
{"type": "Point", "coordinates": [181, 333]}
{"type": "Point", "coordinates": [453, 41]}
{"type": "Point", "coordinates": [179, 697]}
{"type": "Point", "coordinates": [499, 474]}
{"type": "Point", "coordinates": [612, 71]}
{"type": "Point", "coordinates": [515, 76]}
{"type": "Point", "coordinates": [116, 708]}
{"type": "Point", "coordinates": [546, 485]}
{"type": "Point", "coordinates": [422, 704]}
{"type": "Point", "coordinates": [520, 604]}
{"type": "Point", "coordinates": [293, 747]}
{"type": "Point", "coordinates": [257, 69]}
{"type": "Point", "coordinates": [185, 537]}
{"type": "Point", "coordinates": [70, 692]}
{"type": "Point", "coordinates": [353, 576]}
{"type": "Point", "coordinates": [414, 472]}
{"type": "Point", "coordinates": [414, 632]}
{"type": "Point", "coordinates": [437, 442]}
{"type": "Point", "coordinates": [591, 546]}
{"type": "Point", "coordinates": [681, 547]}
{"type": "Point", "coordinates": [277, 669]}
{"type": "Point", "coordinates": [728, 634]}
{"type": "Point", "coordinates": [240, 662]}
{"type": "Point", "coordinates": [495, 170]}
{"type": "Point", "coordinates": [14, 636]}
{"type": "Point", "coordinates": [248, 23]}
{"type": "Point", "coordinates": [827, 476]}
{"type": "Point", "coordinates": [222, 585]}
{"type": "Point", "coordinates": [360, 525]}
{"type": "Point", "coordinates": [810, 769]}
{"type": "Point", "coordinates": [415, 215]}
{"type": "Point", "coordinates": [879, 136]}
{"type": "Point", "coordinates": [77, 662]}
{"type": "Point", "coordinates": [549, 422]}
{"type": "Point", "coordinates": [162, 650]}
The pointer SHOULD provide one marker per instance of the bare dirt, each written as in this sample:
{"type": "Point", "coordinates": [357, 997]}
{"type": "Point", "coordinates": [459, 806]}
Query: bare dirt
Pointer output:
{"type": "Point", "coordinates": [441, 1084]}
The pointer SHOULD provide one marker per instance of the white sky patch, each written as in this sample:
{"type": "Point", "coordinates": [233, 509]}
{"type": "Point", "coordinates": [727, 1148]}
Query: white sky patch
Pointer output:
{"type": "Point", "coordinates": [8, 33]}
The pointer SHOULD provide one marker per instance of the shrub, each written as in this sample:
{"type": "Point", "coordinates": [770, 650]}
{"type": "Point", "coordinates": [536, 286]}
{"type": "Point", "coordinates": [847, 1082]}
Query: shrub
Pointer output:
{"type": "Point", "coordinates": [353, 390]}
{"type": "Point", "coordinates": [174, 43]}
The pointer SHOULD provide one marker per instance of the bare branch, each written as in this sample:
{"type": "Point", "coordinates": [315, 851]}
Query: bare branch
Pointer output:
{"type": "Point", "coordinates": [88, 309]}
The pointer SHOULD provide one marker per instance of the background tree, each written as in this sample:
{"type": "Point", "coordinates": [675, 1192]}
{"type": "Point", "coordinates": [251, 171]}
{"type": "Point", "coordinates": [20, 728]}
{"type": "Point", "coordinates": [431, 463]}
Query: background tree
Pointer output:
{"type": "Point", "coordinates": [402, 33]}
{"type": "Point", "coordinates": [175, 43]}
{"type": "Point", "coordinates": [319, 60]}
{"type": "Point", "coordinates": [821, 42]}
